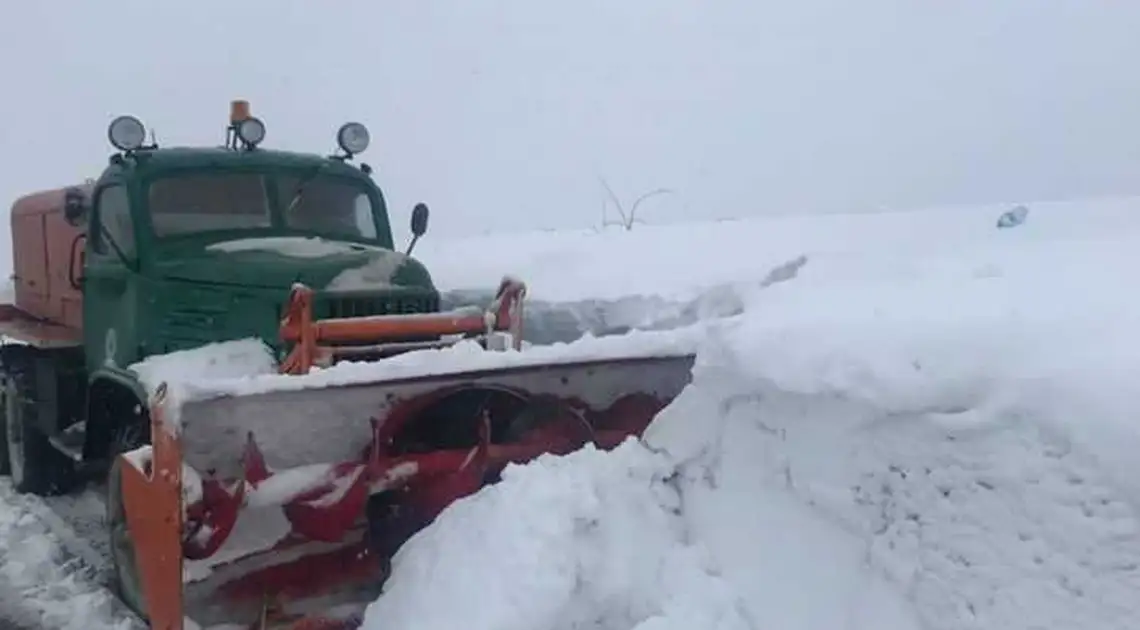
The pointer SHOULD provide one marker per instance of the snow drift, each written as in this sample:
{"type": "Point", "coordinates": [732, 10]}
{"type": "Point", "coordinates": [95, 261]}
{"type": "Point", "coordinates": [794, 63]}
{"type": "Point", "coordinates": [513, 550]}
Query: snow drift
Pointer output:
{"type": "Point", "coordinates": [610, 550]}
{"type": "Point", "coordinates": [959, 484]}
{"type": "Point", "coordinates": [881, 499]}
{"type": "Point", "coordinates": [937, 441]}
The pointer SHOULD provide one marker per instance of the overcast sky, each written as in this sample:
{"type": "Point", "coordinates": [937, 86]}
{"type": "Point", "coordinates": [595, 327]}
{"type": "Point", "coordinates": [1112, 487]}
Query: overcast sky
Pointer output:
{"type": "Point", "coordinates": [504, 114]}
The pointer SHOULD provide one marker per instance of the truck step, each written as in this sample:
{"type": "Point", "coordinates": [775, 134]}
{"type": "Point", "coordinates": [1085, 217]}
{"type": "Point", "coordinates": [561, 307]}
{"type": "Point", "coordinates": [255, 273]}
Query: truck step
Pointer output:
{"type": "Point", "coordinates": [70, 441]}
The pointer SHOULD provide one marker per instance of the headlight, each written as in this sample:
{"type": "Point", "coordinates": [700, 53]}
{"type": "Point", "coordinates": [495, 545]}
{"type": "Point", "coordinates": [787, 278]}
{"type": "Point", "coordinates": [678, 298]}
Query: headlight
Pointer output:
{"type": "Point", "coordinates": [353, 138]}
{"type": "Point", "coordinates": [126, 133]}
{"type": "Point", "coordinates": [251, 131]}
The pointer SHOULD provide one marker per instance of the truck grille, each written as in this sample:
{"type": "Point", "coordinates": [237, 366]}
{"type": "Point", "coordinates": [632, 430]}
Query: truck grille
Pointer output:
{"type": "Point", "coordinates": [376, 305]}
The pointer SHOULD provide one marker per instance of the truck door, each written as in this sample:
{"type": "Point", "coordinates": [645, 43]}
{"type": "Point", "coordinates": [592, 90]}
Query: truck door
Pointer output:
{"type": "Point", "coordinates": [110, 289]}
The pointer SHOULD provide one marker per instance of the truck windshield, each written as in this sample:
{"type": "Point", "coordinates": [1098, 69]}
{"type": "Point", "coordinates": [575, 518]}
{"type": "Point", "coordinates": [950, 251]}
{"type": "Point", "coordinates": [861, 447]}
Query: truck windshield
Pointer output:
{"type": "Point", "coordinates": [210, 202]}
{"type": "Point", "coordinates": [326, 205]}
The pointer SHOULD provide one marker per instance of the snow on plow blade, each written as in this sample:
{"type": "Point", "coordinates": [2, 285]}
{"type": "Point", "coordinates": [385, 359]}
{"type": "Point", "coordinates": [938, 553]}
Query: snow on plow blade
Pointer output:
{"type": "Point", "coordinates": [281, 509]}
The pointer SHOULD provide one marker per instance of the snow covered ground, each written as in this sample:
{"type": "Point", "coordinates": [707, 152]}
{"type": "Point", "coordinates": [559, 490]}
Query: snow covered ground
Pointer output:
{"type": "Point", "coordinates": [926, 424]}
{"type": "Point", "coordinates": [928, 428]}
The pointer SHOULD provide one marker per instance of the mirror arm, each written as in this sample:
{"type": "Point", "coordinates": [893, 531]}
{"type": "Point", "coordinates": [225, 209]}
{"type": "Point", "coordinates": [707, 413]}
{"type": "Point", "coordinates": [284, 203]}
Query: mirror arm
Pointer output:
{"type": "Point", "coordinates": [411, 245]}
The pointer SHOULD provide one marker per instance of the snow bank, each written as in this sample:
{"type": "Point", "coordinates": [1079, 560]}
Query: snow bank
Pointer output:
{"type": "Point", "coordinates": [964, 487]}
{"type": "Point", "coordinates": [677, 261]}
{"type": "Point", "coordinates": [869, 494]}
{"type": "Point", "coordinates": [933, 434]}
{"type": "Point", "coordinates": [589, 540]}
{"type": "Point", "coordinates": [627, 540]}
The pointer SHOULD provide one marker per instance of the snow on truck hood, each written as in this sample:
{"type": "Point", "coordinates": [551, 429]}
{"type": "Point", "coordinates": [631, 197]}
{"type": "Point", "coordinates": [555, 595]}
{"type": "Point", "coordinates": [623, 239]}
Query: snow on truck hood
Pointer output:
{"type": "Point", "coordinates": [357, 265]}
{"type": "Point", "coordinates": [293, 246]}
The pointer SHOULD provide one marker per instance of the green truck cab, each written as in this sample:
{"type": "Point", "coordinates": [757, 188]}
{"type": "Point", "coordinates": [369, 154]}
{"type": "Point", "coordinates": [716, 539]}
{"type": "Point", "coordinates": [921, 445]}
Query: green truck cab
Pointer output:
{"type": "Point", "coordinates": [170, 249]}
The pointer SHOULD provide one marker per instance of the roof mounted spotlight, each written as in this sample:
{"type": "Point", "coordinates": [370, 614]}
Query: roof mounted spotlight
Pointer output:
{"type": "Point", "coordinates": [353, 138]}
{"type": "Point", "coordinates": [126, 133]}
{"type": "Point", "coordinates": [251, 131]}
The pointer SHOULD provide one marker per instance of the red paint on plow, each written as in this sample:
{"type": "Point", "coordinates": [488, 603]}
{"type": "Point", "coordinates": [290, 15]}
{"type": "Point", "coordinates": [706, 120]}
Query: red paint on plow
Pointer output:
{"type": "Point", "coordinates": [327, 508]}
{"type": "Point", "coordinates": [306, 577]}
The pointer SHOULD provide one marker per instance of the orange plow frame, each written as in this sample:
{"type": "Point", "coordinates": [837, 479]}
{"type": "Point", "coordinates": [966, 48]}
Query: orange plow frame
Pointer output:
{"type": "Point", "coordinates": [315, 343]}
{"type": "Point", "coordinates": [153, 505]}
{"type": "Point", "coordinates": [333, 546]}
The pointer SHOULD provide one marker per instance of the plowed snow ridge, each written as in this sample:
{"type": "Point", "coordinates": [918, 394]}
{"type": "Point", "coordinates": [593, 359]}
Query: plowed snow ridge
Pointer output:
{"type": "Point", "coordinates": [801, 507]}
{"type": "Point", "coordinates": [930, 426]}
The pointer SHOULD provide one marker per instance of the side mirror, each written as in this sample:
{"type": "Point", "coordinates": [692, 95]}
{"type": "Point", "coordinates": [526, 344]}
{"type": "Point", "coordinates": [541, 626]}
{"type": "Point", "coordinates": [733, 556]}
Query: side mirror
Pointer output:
{"type": "Point", "coordinates": [419, 225]}
{"type": "Point", "coordinates": [75, 208]}
{"type": "Point", "coordinates": [419, 219]}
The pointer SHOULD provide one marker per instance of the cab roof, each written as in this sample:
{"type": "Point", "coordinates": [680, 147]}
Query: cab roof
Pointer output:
{"type": "Point", "coordinates": [213, 157]}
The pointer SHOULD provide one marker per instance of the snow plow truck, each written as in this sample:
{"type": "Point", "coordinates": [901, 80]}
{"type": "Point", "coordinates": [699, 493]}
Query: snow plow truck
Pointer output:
{"type": "Point", "coordinates": [274, 499]}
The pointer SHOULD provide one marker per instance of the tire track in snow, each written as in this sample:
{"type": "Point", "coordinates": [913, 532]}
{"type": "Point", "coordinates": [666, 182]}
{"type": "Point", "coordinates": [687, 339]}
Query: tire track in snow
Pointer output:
{"type": "Point", "coordinates": [53, 575]}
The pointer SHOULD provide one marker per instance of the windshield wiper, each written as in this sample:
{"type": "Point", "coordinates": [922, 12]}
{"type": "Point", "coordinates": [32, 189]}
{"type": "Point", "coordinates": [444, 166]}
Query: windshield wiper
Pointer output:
{"type": "Point", "coordinates": [300, 191]}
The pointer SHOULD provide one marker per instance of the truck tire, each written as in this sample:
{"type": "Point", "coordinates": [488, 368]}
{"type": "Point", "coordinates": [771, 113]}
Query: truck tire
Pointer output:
{"type": "Point", "coordinates": [5, 466]}
{"type": "Point", "coordinates": [34, 465]}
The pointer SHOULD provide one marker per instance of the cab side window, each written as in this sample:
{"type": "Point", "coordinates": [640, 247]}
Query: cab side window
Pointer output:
{"type": "Point", "coordinates": [113, 212]}
{"type": "Point", "coordinates": [363, 210]}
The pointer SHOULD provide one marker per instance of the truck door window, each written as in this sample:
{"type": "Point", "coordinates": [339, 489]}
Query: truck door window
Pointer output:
{"type": "Point", "coordinates": [208, 202]}
{"type": "Point", "coordinates": [114, 215]}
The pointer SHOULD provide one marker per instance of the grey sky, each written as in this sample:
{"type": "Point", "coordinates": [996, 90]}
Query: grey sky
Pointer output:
{"type": "Point", "coordinates": [502, 114]}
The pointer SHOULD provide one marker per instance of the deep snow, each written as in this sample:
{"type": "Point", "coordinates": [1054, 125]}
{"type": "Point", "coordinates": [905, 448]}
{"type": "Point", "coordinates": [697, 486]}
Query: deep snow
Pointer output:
{"type": "Point", "coordinates": [929, 428]}
{"type": "Point", "coordinates": [929, 425]}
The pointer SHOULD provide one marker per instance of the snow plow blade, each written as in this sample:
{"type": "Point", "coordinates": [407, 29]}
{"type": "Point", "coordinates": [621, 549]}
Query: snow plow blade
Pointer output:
{"type": "Point", "coordinates": [282, 508]}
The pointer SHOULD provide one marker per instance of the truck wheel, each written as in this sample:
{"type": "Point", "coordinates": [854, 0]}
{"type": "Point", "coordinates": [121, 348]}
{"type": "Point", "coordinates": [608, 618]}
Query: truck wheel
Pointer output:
{"type": "Point", "coordinates": [127, 580]}
{"type": "Point", "coordinates": [36, 467]}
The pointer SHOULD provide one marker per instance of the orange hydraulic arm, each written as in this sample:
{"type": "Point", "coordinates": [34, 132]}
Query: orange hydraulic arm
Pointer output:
{"type": "Point", "coordinates": [314, 342]}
